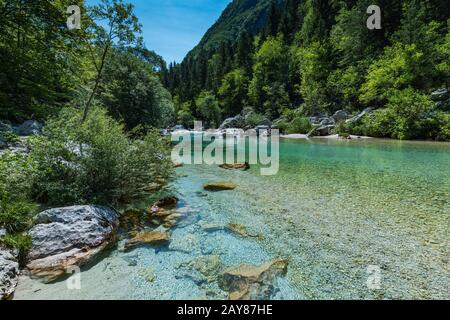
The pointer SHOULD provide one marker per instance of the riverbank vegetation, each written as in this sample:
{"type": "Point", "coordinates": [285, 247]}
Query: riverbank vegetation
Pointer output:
{"type": "Point", "coordinates": [99, 94]}
{"type": "Point", "coordinates": [315, 57]}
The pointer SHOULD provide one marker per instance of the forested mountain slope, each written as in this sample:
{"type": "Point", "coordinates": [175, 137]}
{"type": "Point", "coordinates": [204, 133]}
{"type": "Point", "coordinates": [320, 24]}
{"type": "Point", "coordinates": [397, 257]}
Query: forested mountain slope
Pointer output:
{"type": "Point", "coordinates": [312, 57]}
{"type": "Point", "coordinates": [250, 15]}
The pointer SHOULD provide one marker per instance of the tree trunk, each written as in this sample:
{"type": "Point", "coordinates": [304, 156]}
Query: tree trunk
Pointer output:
{"type": "Point", "coordinates": [97, 83]}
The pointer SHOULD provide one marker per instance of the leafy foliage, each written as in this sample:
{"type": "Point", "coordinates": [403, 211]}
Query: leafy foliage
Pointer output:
{"type": "Point", "coordinates": [317, 57]}
{"type": "Point", "coordinates": [133, 92]}
{"type": "Point", "coordinates": [95, 162]}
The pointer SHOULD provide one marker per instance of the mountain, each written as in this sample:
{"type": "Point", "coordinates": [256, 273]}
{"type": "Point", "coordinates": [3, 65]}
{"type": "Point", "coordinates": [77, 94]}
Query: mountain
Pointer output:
{"type": "Point", "coordinates": [295, 60]}
{"type": "Point", "coordinates": [239, 15]}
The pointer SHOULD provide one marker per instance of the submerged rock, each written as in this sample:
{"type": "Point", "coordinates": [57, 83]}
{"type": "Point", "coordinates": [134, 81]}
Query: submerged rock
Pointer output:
{"type": "Point", "coordinates": [148, 274]}
{"type": "Point", "coordinates": [242, 231]}
{"type": "Point", "coordinates": [249, 282]}
{"type": "Point", "coordinates": [177, 164]}
{"type": "Point", "coordinates": [163, 212]}
{"type": "Point", "coordinates": [131, 219]}
{"type": "Point", "coordinates": [238, 166]}
{"type": "Point", "coordinates": [238, 229]}
{"type": "Point", "coordinates": [66, 237]}
{"type": "Point", "coordinates": [168, 202]}
{"type": "Point", "coordinates": [204, 269]}
{"type": "Point", "coordinates": [219, 186]}
{"type": "Point", "coordinates": [9, 272]}
{"type": "Point", "coordinates": [148, 238]}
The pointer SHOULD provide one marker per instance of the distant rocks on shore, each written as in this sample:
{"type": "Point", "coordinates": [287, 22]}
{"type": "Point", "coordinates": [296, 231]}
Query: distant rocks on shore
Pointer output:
{"type": "Point", "coordinates": [28, 128]}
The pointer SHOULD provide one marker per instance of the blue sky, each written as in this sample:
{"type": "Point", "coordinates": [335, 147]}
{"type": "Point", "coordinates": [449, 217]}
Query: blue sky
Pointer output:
{"type": "Point", "coordinates": [173, 27]}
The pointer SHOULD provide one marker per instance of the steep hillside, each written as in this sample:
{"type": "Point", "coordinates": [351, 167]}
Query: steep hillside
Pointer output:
{"type": "Point", "coordinates": [249, 15]}
{"type": "Point", "coordinates": [296, 60]}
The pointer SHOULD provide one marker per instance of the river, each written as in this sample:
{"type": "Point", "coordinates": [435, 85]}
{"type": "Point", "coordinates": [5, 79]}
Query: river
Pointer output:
{"type": "Point", "coordinates": [337, 210]}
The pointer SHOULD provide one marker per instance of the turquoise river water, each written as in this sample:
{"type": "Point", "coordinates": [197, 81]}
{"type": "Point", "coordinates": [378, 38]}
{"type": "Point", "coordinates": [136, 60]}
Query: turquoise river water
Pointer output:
{"type": "Point", "coordinates": [334, 209]}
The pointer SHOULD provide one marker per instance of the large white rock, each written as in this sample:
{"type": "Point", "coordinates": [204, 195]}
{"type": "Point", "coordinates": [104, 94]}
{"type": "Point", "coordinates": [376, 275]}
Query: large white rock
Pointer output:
{"type": "Point", "coordinates": [9, 272]}
{"type": "Point", "coordinates": [66, 237]}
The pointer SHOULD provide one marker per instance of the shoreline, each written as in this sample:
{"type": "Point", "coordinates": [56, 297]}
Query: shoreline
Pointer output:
{"type": "Point", "coordinates": [299, 136]}
{"type": "Point", "coordinates": [333, 136]}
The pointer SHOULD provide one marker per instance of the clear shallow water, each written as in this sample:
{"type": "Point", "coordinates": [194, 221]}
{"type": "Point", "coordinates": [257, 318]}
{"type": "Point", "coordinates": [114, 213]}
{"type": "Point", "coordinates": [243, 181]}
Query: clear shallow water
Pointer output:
{"type": "Point", "coordinates": [334, 208]}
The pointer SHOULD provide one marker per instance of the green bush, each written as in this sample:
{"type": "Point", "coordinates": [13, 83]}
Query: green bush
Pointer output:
{"type": "Point", "coordinates": [408, 115]}
{"type": "Point", "coordinates": [253, 119]}
{"type": "Point", "coordinates": [20, 241]}
{"type": "Point", "coordinates": [16, 215]}
{"type": "Point", "coordinates": [16, 208]}
{"type": "Point", "coordinates": [404, 117]}
{"type": "Point", "coordinates": [299, 125]}
{"type": "Point", "coordinates": [9, 137]}
{"type": "Point", "coordinates": [95, 161]}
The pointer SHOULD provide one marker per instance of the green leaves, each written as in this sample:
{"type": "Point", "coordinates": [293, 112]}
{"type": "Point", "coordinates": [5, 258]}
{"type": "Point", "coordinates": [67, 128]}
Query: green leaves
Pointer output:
{"type": "Point", "coordinates": [95, 162]}
{"type": "Point", "coordinates": [208, 109]}
{"type": "Point", "coordinates": [395, 69]}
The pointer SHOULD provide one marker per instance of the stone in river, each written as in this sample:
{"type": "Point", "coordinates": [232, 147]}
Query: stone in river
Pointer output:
{"type": "Point", "coordinates": [219, 186]}
{"type": "Point", "coordinates": [177, 164]}
{"type": "Point", "coordinates": [201, 270]}
{"type": "Point", "coordinates": [238, 229]}
{"type": "Point", "coordinates": [155, 238]}
{"type": "Point", "coordinates": [238, 166]}
{"type": "Point", "coordinates": [131, 219]}
{"type": "Point", "coordinates": [162, 207]}
{"type": "Point", "coordinates": [250, 282]}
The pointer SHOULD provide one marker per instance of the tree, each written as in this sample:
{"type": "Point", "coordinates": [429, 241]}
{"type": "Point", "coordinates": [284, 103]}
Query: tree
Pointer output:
{"type": "Point", "coordinates": [314, 67]}
{"type": "Point", "coordinates": [122, 26]}
{"type": "Point", "coordinates": [243, 57]}
{"type": "Point", "coordinates": [185, 116]}
{"type": "Point", "coordinates": [208, 109]}
{"type": "Point", "coordinates": [273, 21]}
{"type": "Point", "coordinates": [132, 91]}
{"type": "Point", "coordinates": [40, 58]}
{"type": "Point", "coordinates": [233, 92]}
{"type": "Point", "coordinates": [397, 68]}
{"type": "Point", "coordinates": [270, 75]}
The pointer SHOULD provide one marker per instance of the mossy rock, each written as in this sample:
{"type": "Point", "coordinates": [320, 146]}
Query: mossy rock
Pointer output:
{"type": "Point", "coordinates": [220, 186]}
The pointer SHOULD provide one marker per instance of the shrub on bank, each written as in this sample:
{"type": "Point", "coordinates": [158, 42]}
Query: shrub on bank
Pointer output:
{"type": "Point", "coordinates": [19, 241]}
{"type": "Point", "coordinates": [95, 161]}
{"type": "Point", "coordinates": [299, 125]}
{"type": "Point", "coordinates": [16, 208]}
{"type": "Point", "coordinates": [407, 115]}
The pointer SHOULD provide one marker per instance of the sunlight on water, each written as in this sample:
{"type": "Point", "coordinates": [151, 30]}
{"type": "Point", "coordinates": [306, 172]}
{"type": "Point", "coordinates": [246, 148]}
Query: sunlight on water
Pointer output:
{"type": "Point", "coordinates": [334, 208]}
